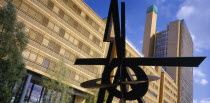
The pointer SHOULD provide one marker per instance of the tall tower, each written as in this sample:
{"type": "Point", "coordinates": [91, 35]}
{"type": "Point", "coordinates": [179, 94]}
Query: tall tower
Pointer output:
{"type": "Point", "coordinates": [149, 31]}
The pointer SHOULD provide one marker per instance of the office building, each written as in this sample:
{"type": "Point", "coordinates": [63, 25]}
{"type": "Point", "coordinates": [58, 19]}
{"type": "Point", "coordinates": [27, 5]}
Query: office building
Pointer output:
{"type": "Point", "coordinates": [175, 41]}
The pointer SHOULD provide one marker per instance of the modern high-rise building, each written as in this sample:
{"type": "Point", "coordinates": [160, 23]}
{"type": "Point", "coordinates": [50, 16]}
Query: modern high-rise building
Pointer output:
{"type": "Point", "coordinates": [69, 29]}
{"type": "Point", "coordinates": [175, 41]}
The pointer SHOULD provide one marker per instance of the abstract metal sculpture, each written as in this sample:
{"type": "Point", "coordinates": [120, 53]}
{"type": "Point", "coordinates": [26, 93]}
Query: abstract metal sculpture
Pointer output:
{"type": "Point", "coordinates": [123, 77]}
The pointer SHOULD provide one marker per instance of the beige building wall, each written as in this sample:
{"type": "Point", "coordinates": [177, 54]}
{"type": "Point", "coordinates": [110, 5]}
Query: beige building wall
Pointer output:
{"type": "Point", "coordinates": [149, 32]}
{"type": "Point", "coordinates": [168, 89]}
{"type": "Point", "coordinates": [174, 47]}
{"type": "Point", "coordinates": [152, 96]}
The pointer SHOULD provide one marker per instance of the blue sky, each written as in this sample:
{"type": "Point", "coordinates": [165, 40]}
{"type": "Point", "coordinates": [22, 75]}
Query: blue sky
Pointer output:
{"type": "Point", "coordinates": [196, 14]}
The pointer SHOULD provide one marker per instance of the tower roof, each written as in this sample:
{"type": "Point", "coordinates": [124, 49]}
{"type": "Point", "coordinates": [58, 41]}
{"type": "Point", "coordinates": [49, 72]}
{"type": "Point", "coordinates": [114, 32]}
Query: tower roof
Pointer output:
{"type": "Point", "coordinates": [152, 8]}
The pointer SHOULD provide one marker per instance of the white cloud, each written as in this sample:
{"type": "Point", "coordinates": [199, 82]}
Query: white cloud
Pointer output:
{"type": "Point", "coordinates": [199, 77]}
{"type": "Point", "coordinates": [185, 12]}
{"type": "Point", "coordinates": [195, 101]}
{"type": "Point", "coordinates": [198, 73]}
{"type": "Point", "coordinates": [196, 14]}
{"type": "Point", "coordinates": [204, 100]}
{"type": "Point", "coordinates": [203, 82]}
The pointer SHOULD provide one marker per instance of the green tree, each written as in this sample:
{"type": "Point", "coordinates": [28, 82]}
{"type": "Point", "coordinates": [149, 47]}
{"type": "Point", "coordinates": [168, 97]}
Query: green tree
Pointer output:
{"type": "Point", "coordinates": [13, 41]}
{"type": "Point", "coordinates": [58, 77]}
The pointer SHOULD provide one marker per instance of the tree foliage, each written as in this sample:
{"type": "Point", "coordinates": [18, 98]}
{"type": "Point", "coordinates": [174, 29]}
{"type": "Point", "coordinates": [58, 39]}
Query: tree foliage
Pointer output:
{"type": "Point", "coordinates": [13, 41]}
{"type": "Point", "coordinates": [56, 82]}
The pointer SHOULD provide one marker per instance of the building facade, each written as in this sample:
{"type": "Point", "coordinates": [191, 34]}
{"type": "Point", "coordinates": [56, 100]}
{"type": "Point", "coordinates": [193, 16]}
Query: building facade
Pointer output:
{"type": "Point", "coordinates": [69, 29]}
{"type": "Point", "coordinates": [59, 30]}
{"type": "Point", "coordinates": [175, 41]}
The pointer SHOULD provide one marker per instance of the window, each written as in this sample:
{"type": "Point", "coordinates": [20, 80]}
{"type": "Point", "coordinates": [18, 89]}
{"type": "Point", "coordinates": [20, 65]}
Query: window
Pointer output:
{"type": "Point", "coordinates": [45, 21]}
{"type": "Point", "coordinates": [36, 36]}
{"type": "Point", "coordinates": [61, 13]}
{"type": "Point", "coordinates": [39, 38]}
{"type": "Point", "coordinates": [46, 63]}
{"type": "Point", "coordinates": [61, 32]}
{"type": "Point", "coordinates": [54, 46]}
{"type": "Point", "coordinates": [75, 7]}
{"type": "Point", "coordinates": [70, 3]}
{"type": "Point", "coordinates": [50, 5]}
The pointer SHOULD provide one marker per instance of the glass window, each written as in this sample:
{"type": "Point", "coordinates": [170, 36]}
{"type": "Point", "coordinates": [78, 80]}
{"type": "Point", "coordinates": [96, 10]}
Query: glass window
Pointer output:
{"type": "Point", "coordinates": [61, 32]}
{"type": "Point", "coordinates": [75, 24]}
{"type": "Point", "coordinates": [45, 21]}
{"type": "Point", "coordinates": [61, 13]}
{"type": "Point", "coordinates": [46, 63]}
{"type": "Point", "coordinates": [75, 7]}
{"type": "Point", "coordinates": [79, 11]}
{"type": "Point", "coordinates": [28, 92]}
{"type": "Point", "coordinates": [36, 93]}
